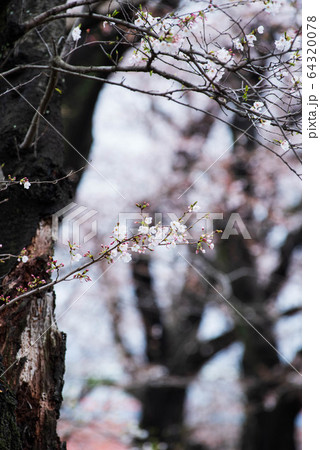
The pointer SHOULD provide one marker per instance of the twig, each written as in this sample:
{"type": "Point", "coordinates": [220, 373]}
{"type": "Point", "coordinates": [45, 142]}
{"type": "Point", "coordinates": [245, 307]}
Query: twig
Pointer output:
{"type": "Point", "coordinates": [29, 137]}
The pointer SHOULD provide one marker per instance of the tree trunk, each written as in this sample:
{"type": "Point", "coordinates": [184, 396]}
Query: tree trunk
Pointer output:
{"type": "Point", "coordinates": [272, 429]}
{"type": "Point", "coordinates": [9, 431]}
{"type": "Point", "coordinates": [33, 351]}
{"type": "Point", "coordinates": [163, 411]}
{"type": "Point", "coordinates": [273, 401]}
{"type": "Point", "coordinates": [32, 347]}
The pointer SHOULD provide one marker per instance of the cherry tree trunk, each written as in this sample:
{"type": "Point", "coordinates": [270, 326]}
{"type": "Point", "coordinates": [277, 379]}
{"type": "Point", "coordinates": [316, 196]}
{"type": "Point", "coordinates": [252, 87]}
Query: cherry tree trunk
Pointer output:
{"type": "Point", "coordinates": [32, 348]}
{"type": "Point", "coordinates": [33, 352]}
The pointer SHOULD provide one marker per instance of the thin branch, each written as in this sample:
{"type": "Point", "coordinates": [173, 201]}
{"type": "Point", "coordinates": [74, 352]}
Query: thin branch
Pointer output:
{"type": "Point", "coordinates": [51, 13]}
{"type": "Point", "coordinates": [29, 137]}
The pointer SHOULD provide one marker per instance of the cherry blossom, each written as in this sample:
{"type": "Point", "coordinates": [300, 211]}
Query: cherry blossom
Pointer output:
{"type": "Point", "coordinates": [135, 248]}
{"type": "Point", "coordinates": [138, 57]}
{"type": "Point", "coordinates": [251, 38]}
{"type": "Point", "coordinates": [118, 233]}
{"type": "Point", "coordinates": [143, 229]}
{"type": "Point", "coordinates": [145, 19]}
{"type": "Point", "coordinates": [264, 123]}
{"type": "Point", "coordinates": [214, 71]}
{"type": "Point", "coordinates": [223, 55]}
{"type": "Point", "coordinates": [237, 44]}
{"type": "Point", "coordinates": [123, 247]}
{"type": "Point", "coordinates": [76, 33]}
{"type": "Point", "coordinates": [194, 207]}
{"type": "Point", "coordinates": [125, 257]}
{"type": "Point", "coordinates": [114, 253]}
{"type": "Point", "coordinates": [283, 43]}
{"type": "Point", "coordinates": [285, 145]}
{"type": "Point", "coordinates": [257, 106]}
{"type": "Point", "coordinates": [273, 6]}
{"type": "Point", "coordinates": [23, 256]}
{"type": "Point", "coordinates": [177, 226]}
{"type": "Point", "coordinates": [25, 182]}
{"type": "Point", "coordinates": [153, 230]}
{"type": "Point", "coordinates": [139, 21]}
{"type": "Point", "coordinates": [76, 257]}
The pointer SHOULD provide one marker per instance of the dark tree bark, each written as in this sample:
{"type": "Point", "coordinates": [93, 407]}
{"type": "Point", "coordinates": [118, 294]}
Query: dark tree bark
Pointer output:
{"type": "Point", "coordinates": [9, 431]}
{"type": "Point", "coordinates": [32, 347]}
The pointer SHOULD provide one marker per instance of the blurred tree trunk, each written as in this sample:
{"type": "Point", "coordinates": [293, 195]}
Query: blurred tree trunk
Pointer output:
{"type": "Point", "coordinates": [163, 412]}
{"type": "Point", "coordinates": [273, 400]}
{"type": "Point", "coordinates": [177, 349]}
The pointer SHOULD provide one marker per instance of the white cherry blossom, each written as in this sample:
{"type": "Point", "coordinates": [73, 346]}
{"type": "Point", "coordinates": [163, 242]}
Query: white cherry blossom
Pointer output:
{"type": "Point", "coordinates": [123, 247]}
{"type": "Point", "coordinates": [125, 257]}
{"type": "Point", "coordinates": [143, 229]}
{"type": "Point", "coordinates": [237, 44]}
{"type": "Point", "coordinates": [114, 253]}
{"type": "Point", "coordinates": [283, 43]}
{"type": "Point", "coordinates": [284, 145]}
{"type": "Point", "coordinates": [257, 106]}
{"type": "Point", "coordinates": [251, 38]}
{"type": "Point", "coordinates": [74, 258]}
{"type": "Point", "coordinates": [76, 33]}
{"type": "Point", "coordinates": [223, 55]}
{"type": "Point", "coordinates": [135, 248]}
{"type": "Point", "coordinates": [214, 71]}
{"type": "Point", "coordinates": [119, 232]}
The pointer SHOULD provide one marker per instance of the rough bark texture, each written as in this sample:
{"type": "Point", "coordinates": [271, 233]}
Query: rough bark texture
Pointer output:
{"type": "Point", "coordinates": [44, 159]}
{"type": "Point", "coordinates": [32, 347]}
{"type": "Point", "coordinates": [9, 431]}
{"type": "Point", "coordinates": [33, 351]}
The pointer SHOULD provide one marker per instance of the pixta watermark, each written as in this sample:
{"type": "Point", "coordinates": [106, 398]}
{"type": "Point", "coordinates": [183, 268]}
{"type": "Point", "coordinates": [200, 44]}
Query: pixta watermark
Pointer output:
{"type": "Point", "coordinates": [230, 225]}
{"type": "Point", "coordinates": [75, 220]}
